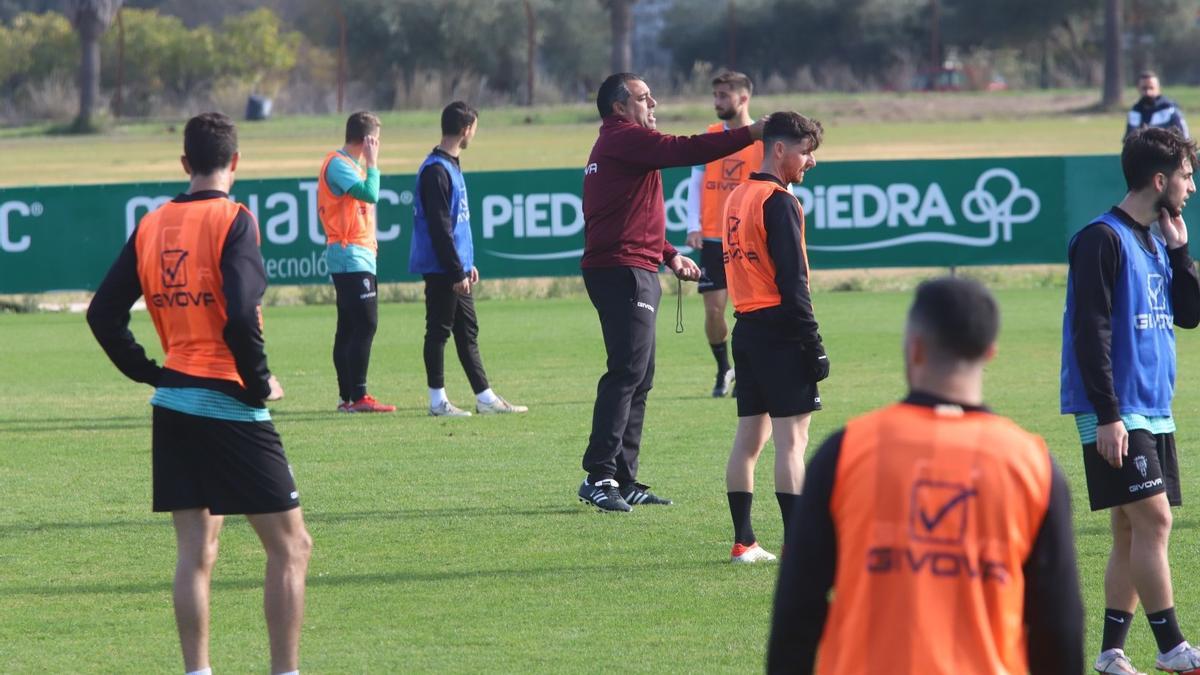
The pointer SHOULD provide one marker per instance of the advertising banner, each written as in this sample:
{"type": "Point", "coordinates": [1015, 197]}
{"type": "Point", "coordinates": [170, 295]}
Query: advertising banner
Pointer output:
{"type": "Point", "coordinates": [530, 223]}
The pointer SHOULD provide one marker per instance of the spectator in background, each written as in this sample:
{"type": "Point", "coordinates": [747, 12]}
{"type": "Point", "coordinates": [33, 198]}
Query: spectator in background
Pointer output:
{"type": "Point", "coordinates": [1153, 109]}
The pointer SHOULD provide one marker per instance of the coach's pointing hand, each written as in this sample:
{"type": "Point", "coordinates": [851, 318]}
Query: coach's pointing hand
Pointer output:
{"type": "Point", "coordinates": [756, 129]}
{"type": "Point", "coordinates": [685, 268]}
{"type": "Point", "coordinates": [1112, 442]}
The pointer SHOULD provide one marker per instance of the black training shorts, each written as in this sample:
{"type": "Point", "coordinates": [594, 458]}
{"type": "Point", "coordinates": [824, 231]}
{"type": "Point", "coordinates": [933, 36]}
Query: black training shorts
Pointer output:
{"type": "Point", "coordinates": [712, 267]}
{"type": "Point", "coordinates": [772, 374]}
{"type": "Point", "coordinates": [1150, 468]}
{"type": "Point", "coordinates": [228, 467]}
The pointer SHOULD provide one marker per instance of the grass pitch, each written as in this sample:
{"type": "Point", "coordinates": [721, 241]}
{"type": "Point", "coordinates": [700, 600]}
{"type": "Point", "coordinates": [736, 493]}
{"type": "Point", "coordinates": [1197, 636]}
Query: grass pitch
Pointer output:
{"type": "Point", "coordinates": [458, 545]}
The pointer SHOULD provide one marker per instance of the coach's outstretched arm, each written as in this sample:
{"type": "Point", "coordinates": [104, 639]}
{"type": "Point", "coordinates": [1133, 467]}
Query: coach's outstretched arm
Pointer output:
{"type": "Point", "coordinates": [108, 317]}
{"type": "Point", "coordinates": [649, 149]}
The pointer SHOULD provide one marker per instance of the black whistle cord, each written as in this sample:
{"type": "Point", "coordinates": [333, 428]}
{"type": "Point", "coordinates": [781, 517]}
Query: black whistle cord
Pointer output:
{"type": "Point", "coordinates": [678, 305]}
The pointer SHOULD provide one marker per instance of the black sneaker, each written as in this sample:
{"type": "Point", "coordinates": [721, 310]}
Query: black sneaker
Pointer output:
{"type": "Point", "coordinates": [725, 384]}
{"type": "Point", "coordinates": [638, 494]}
{"type": "Point", "coordinates": [604, 495]}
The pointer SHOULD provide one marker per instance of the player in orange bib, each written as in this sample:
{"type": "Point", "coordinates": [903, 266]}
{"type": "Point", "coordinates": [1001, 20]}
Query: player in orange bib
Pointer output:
{"type": "Point", "coordinates": [196, 259]}
{"type": "Point", "coordinates": [347, 193]}
{"type": "Point", "coordinates": [709, 187]}
{"type": "Point", "coordinates": [943, 529]}
{"type": "Point", "coordinates": [776, 346]}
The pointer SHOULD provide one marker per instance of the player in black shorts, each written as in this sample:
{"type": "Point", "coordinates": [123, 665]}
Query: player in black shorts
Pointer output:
{"type": "Point", "coordinates": [215, 451]}
{"type": "Point", "coordinates": [1128, 287]}
{"type": "Point", "coordinates": [707, 190]}
{"type": "Point", "coordinates": [776, 347]}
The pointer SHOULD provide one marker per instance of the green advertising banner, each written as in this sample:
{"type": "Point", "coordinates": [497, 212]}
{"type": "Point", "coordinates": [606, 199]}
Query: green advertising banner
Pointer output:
{"type": "Point", "coordinates": [530, 223]}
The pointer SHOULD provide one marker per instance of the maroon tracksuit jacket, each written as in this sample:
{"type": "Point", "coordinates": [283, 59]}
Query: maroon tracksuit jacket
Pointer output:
{"type": "Point", "coordinates": [623, 215]}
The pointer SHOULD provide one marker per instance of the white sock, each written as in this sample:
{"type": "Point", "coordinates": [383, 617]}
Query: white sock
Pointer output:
{"type": "Point", "coordinates": [203, 671]}
{"type": "Point", "coordinates": [487, 396]}
{"type": "Point", "coordinates": [291, 672]}
{"type": "Point", "coordinates": [437, 397]}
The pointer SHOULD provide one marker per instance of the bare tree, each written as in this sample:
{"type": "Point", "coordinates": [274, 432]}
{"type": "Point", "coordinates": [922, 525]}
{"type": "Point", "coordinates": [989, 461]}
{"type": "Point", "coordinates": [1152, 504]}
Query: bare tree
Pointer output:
{"type": "Point", "coordinates": [91, 19]}
{"type": "Point", "coordinates": [620, 14]}
{"type": "Point", "coordinates": [530, 52]}
{"type": "Point", "coordinates": [1112, 54]}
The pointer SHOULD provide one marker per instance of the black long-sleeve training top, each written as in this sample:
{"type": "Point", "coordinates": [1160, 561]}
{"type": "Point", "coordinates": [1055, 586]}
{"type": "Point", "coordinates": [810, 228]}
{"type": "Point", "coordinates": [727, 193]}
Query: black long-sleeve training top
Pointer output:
{"type": "Point", "coordinates": [1052, 608]}
{"type": "Point", "coordinates": [435, 189]}
{"type": "Point", "coordinates": [1095, 261]}
{"type": "Point", "coordinates": [793, 318]}
{"type": "Point", "coordinates": [243, 282]}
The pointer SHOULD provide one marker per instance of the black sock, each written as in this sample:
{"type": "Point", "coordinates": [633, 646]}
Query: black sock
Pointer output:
{"type": "Point", "coordinates": [739, 509]}
{"type": "Point", "coordinates": [787, 502]}
{"type": "Point", "coordinates": [1116, 629]}
{"type": "Point", "coordinates": [721, 354]}
{"type": "Point", "coordinates": [1166, 629]}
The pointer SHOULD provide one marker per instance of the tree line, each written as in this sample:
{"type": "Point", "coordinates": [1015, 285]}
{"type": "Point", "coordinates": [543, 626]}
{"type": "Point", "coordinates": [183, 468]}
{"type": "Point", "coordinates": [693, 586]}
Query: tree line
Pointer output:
{"type": "Point", "coordinates": [148, 57]}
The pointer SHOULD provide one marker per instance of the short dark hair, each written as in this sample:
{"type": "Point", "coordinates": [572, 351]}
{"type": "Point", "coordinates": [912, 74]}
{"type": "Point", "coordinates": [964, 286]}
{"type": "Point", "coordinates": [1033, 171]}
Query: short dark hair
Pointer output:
{"type": "Point", "coordinates": [734, 79]}
{"type": "Point", "coordinates": [360, 125]}
{"type": "Point", "coordinates": [1151, 151]}
{"type": "Point", "coordinates": [209, 142]}
{"type": "Point", "coordinates": [959, 317]}
{"type": "Point", "coordinates": [792, 127]}
{"type": "Point", "coordinates": [1146, 74]}
{"type": "Point", "coordinates": [456, 117]}
{"type": "Point", "coordinates": [614, 88]}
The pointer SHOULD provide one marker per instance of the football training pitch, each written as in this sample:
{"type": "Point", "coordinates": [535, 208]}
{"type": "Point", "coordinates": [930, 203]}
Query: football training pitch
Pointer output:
{"type": "Point", "coordinates": [458, 545]}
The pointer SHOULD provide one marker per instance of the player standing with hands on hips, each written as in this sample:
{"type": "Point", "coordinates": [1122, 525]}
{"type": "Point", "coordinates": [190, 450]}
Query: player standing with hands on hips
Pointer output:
{"type": "Point", "coordinates": [624, 245]}
{"type": "Point", "coordinates": [1127, 289]}
{"type": "Point", "coordinates": [215, 450]}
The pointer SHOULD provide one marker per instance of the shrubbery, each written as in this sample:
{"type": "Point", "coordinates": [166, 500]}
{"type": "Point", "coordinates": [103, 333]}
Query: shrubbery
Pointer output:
{"type": "Point", "coordinates": [165, 65]}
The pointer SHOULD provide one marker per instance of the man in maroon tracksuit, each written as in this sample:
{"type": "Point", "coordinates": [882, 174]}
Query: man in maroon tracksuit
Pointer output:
{"type": "Point", "coordinates": [624, 244]}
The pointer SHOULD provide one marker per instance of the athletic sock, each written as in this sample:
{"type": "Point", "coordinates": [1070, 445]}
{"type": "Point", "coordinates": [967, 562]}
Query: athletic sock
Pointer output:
{"type": "Point", "coordinates": [202, 671]}
{"type": "Point", "coordinates": [487, 397]}
{"type": "Point", "coordinates": [787, 503]}
{"type": "Point", "coordinates": [721, 354]}
{"type": "Point", "coordinates": [1116, 629]}
{"type": "Point", "coordinates": [1166, 629]}
{"type": "Point", "coordinates": [739, 509]}
{"type": "Point", "coordinates": [437, 397]}
{"type": "Point", "coordinates": [291, 672]}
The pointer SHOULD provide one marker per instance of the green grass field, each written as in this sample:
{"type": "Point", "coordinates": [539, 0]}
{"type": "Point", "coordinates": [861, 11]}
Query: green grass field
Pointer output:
{"type": "Point", "coordinates": [458, 545]}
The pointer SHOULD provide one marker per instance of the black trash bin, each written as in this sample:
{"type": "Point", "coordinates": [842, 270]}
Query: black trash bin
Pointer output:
{"type": "Point", "coordinates": [258, 108]}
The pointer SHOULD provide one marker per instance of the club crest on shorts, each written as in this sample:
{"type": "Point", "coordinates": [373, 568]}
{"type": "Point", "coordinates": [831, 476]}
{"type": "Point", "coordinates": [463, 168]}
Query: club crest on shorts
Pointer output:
{"type": "Point", "coordinates": [1140, 463]}
{"type": "Point", "coordinates": [366, 284]}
